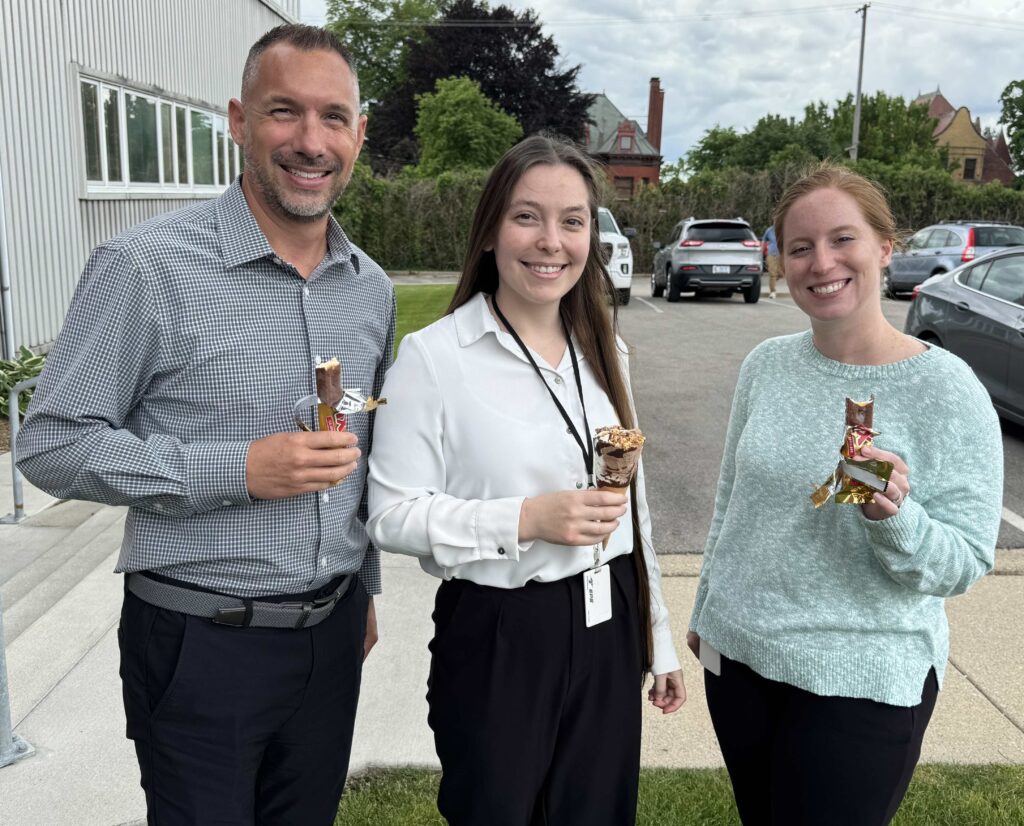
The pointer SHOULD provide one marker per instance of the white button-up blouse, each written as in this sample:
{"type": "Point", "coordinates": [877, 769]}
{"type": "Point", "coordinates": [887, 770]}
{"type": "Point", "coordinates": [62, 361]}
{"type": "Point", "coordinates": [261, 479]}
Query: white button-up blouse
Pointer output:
{"type": "Point", "coordinates": [467, 434]}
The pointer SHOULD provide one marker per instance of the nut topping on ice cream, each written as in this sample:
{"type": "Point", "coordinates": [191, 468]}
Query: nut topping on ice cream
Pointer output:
{"type": "Point", "coordinates": [617, 456]}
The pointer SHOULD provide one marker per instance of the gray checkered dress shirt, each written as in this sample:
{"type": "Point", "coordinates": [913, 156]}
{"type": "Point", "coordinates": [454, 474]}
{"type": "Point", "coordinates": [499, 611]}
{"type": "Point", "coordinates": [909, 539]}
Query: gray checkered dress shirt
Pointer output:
{"type": "Point", "coordinates": [186, 339]}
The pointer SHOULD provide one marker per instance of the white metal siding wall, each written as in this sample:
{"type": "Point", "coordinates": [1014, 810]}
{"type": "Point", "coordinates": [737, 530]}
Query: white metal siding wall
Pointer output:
{"type": "Point", "coordinates": [189, 48]}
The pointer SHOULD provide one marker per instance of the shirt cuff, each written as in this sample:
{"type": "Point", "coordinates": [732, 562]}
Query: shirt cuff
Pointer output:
{"type": "Point", "coordinates": [665, 659]}
{"type": "Point", "coordinates": [497, 529]}
{"type": "Point", "coordinates": [216, 475]}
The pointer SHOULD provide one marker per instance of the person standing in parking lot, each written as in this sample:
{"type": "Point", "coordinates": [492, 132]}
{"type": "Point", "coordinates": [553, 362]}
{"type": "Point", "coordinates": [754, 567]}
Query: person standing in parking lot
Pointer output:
{"type": "Point", "coordinates": [549, 610]}
{"type": "Point", "coordinates": [823, 631]}
{"type": "Point", "coordinates": [248, 606]}
{"type": "Point", "coordinates": [771, 258]}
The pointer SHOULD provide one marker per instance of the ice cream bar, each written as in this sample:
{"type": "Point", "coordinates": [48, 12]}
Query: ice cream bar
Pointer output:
{"type": "Point", "coordinates": [332, 400]}
{"type": "Point", "coordinates": [855, 479]}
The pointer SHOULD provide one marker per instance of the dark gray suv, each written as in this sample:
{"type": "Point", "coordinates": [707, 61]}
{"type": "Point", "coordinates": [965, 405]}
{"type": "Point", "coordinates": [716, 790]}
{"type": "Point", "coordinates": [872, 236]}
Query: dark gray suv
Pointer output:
{"type": "Point", "coordinates": [944, 247]}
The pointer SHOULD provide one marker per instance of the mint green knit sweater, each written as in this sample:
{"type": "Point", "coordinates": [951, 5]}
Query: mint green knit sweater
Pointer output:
{"type": "Point", "coordinates": [826, 599]}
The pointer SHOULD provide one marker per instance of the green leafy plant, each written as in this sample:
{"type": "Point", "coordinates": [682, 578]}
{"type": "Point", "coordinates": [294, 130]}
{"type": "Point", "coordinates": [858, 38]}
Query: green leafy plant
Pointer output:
{"type": "Point", "coordinates": [12, 371]}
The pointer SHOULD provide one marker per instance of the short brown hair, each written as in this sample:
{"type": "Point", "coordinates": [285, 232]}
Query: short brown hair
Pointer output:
{"type": "Point", "coordinates": [302, 37]}
{"type": "Point", "coordinates": [870, 197]}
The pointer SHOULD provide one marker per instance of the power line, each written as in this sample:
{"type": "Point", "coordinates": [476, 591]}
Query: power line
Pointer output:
{"type": "Point", "coordinates": [969, 21]}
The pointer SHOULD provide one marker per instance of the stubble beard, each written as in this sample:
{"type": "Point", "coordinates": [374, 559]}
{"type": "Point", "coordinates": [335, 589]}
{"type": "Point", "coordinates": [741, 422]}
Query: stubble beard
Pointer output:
{"type": "Point", "coordinates": [305, 210]}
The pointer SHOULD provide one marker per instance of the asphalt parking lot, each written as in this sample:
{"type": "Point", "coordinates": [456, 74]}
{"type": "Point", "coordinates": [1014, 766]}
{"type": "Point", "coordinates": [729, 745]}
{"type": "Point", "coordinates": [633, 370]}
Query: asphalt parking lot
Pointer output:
{"type": "Point", "coordinates": [685, 360]}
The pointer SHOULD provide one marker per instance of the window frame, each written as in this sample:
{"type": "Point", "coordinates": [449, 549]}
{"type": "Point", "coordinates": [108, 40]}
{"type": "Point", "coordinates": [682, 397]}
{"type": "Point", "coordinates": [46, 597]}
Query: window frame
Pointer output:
{"type": "Point", "coordinates": [227, 157]}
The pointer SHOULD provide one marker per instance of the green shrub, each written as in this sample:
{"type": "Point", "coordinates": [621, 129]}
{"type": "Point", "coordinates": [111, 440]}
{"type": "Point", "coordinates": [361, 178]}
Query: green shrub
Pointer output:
{"type": "Point", "coordinates": [26, 366]}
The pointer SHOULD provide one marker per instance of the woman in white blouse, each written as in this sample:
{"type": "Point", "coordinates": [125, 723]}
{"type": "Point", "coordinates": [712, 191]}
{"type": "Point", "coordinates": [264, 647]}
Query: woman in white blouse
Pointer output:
{"type": "Point", "coordinates": [482, 466]}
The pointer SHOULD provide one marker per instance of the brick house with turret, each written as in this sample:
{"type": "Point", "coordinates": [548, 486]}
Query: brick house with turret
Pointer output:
{"type": "Point", "coordinates": [631, 156]}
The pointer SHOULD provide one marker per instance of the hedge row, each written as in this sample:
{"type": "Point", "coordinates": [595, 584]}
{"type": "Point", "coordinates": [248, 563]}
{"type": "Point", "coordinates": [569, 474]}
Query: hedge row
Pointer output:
{"type": "Point", "coordinates": [411, 223]}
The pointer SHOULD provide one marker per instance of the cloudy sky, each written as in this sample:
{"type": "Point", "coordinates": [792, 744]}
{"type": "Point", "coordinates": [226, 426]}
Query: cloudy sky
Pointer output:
{"type": "Point", "coordinates": [729, 62]}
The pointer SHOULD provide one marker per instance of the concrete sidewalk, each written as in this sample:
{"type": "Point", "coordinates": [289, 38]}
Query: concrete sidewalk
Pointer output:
{"type": "Point", "coordinates": [61, 605]}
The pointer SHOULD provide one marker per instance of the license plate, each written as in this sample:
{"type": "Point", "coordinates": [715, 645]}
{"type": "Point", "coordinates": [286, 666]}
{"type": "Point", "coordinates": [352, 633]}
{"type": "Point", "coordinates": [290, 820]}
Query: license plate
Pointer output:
{"type": "Point", "coordinates": [721, 269]}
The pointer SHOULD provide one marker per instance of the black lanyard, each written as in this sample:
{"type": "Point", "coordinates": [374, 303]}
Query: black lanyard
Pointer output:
{"type": "Point", "coordinates": [586, 446]}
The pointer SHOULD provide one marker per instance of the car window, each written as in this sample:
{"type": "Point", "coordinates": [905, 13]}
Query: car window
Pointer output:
{"type": "Point", "coordinates": [606, 222]}
{"type": "Point", "coordinates": [916, 241]}
{"type": "Point", "coordinates": [720, 233]}
{"type": "Point", "coordinates": [973, 276]}
{"type": "Point", "coordinates": [1005, 279]}
{"type": "Point", "coordinates": [951, 239]}
{"type": "Point", "coordinates": [676, 232]}
{"type": "Point", "coordinates": [998, 236]}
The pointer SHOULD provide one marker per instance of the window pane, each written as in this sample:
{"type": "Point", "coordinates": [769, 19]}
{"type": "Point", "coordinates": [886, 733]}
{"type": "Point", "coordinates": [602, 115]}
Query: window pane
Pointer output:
{"type": "Point", "coordinates": [973, 277]}
{"type": "Point", "coordinates": [202, 148]}
{"type": "Point", "coordinates": [234, 160]}
{"type": "Point", "coordinates": [112, 128]}
{"type": "Point", "coordinates": [168, 147]}
{"type": "Point", "coordinates": [143, 160]}
{"type": "Point", "coordinates": [1005, 279]}
{"type": "Point", "coordinates": [181, 133]}
{"type": "Point", "coordinates": [91, 131]}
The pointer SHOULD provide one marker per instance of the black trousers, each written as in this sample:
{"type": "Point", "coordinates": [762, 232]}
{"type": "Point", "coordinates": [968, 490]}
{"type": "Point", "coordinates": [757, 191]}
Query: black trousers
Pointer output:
{"type": "Point", "coordinates": [797, 758]}
{"type": "Point", "coordinates": [536, 717]}
{"type": "Point", "coordinates": [240, 726]}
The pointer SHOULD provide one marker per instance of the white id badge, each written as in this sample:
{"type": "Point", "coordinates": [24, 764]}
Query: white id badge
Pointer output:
{"type": "Point", "coordinates": [710, 659]}
{"type": "Point", "coordinates": [597, 595]}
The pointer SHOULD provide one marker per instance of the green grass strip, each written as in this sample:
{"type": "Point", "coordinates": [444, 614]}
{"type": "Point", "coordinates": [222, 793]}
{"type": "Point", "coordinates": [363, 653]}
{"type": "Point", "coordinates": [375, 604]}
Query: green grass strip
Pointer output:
{"type": "Point", "coordinates": [419, 306]}
{"type": "Point", "coordinates": [940, 795]}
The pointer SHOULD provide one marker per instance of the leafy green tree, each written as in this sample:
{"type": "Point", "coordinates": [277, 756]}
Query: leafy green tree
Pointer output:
{"type": "Point", "coordinates": [503, 50]}
{"type": "Point", "coordinates": [715, 150]}
{"type": "Point", "coordinates": [458, 127]}
{"type": "Point", "coordinates": [1012, 118]}
{"type": "Point", "coordinates": [376, 31]}
{"type": "Point", "coordinates": [891, 131]}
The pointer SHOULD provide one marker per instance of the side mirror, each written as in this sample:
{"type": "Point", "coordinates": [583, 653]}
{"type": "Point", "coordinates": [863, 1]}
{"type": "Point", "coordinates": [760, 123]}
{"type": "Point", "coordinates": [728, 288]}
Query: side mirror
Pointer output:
{"type": "Point", "coordinates": [629, 232]}
{"type": "Point", "coordinates": [656, 245]}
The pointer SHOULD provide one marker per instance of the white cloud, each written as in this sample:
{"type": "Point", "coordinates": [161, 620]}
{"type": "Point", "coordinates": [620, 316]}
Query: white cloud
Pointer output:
{"type": "Point", "coordinates": [731, 62]}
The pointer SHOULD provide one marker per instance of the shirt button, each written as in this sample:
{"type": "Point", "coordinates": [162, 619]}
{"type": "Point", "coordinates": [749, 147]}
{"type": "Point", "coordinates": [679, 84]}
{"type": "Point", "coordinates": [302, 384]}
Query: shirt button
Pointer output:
{"type": "Point", "coordinates": [226, 502]}
{"type": "Point", "coordinates": [501, 551]}
{"type": "Point", "coordinates": [278, 260]}
{"type": "Point", "coordinates": [157, 506]}
{"type": "Point", "coordinates": [305, 291]}
{"type": "Point", "coordinates": [326, 497]}
{"type": "Point", "coordinates": [568, 430]}
{"type": "Point", "coordinates": [579, 485]}
{"type": "Point", "coordinates": [323, 562]}
{"type": "Point", "coordinates": [558, 379]}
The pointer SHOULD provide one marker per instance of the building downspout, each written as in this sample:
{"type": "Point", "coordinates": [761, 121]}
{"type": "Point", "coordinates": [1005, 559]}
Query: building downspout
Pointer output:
{"type": "Point", "coordinates": [6, 304]}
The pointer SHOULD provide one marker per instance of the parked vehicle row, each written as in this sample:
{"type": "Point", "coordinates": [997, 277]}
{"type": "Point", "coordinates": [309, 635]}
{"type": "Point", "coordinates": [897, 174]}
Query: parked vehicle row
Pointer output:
{"type": "Point", "coordinates": [977, 312]}
{"type": "Point", "coordinates": [943, 247]}
{"type": "Point", "coordinates": [714, 256]}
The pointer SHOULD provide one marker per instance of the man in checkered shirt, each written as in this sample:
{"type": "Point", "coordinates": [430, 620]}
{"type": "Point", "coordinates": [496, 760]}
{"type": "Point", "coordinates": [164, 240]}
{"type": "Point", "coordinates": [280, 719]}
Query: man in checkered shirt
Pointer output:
{"type": "Point", "coordinates": [248, 604]}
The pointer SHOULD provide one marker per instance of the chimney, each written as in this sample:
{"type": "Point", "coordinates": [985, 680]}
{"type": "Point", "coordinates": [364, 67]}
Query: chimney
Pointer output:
{"type": "Point", "coordinates": [655, 107]}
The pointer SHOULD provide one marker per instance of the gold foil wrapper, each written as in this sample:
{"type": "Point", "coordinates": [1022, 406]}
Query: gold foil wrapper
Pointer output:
{"type": "Point", "coordinates": [844, 488]}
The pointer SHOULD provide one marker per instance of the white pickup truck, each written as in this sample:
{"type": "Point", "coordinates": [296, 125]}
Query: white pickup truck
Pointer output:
{"type": "Point", "coordinates": [617, 252]}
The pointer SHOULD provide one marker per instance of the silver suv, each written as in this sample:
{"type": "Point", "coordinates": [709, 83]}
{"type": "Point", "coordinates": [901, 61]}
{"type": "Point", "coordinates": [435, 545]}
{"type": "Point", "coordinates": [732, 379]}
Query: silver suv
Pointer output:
{"type": "Point", "coordinates": [944, 247]}
{"type": "Point", "coordinates": [719, 256]}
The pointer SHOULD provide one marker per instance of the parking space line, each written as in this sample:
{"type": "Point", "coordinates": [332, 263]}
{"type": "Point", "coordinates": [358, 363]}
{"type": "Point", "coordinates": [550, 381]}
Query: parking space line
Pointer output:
{"type": "Point", "coordinates": [649, 304]}
{"type": "Point", "coordinates": [1014, 519]}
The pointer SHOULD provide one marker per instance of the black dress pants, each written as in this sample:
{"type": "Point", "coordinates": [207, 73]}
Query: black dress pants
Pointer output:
{"type": "Point", "coordinates": [800, 759]}
{"type": "Point", "coordinates": [536, 717]}
{"type": "Point", "coordinates": [238, 726]}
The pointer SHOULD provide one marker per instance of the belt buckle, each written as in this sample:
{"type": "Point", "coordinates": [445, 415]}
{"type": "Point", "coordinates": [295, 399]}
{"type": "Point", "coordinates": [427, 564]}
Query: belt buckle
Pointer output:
{"type": "Point", "coordinates": [236, 617]}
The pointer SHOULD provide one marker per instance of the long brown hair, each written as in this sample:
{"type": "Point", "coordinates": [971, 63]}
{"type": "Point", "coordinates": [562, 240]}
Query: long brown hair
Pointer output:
{"type": "Point", "coordinates": [584, 309]}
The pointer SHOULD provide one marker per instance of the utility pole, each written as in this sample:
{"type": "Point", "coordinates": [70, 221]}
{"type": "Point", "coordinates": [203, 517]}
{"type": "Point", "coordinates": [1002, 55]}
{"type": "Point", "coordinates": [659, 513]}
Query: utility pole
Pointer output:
{"type": "Point", "coordinates": [863, 10]}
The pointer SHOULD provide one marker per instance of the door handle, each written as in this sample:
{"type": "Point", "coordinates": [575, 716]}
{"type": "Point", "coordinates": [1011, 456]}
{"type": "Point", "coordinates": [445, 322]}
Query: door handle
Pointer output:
{"type": "Point", "coordinates": [962, 305]}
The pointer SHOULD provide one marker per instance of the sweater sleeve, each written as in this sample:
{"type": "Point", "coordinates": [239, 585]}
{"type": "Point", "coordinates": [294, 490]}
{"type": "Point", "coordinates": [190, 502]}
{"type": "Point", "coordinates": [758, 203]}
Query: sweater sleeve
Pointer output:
{"type": "Point", "coordinates": [726, 479]}
{"type": "Point", "coordinates": [942, 544]}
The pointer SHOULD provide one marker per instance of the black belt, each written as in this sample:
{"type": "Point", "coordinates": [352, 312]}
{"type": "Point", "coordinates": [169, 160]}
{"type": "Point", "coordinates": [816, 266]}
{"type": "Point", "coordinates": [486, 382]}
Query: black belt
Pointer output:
{"type": "Point", "coordinates": [242, 613]}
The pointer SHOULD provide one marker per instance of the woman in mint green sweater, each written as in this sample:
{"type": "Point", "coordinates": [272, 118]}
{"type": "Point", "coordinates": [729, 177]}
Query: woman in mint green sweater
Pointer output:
{"type": "Point", "coordinates": [823, 631]}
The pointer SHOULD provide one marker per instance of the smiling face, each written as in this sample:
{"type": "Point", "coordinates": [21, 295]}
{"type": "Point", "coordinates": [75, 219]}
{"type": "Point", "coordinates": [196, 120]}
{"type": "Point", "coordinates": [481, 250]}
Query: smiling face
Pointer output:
{"type": "Point", "coordinates": [543, 239]}
{"type": "Point", "coordinates": [833, 259]}
{"type": "Point", "coordinates": [301, 130]}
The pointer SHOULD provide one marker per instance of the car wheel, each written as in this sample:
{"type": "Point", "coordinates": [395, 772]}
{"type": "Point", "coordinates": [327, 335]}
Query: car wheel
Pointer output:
{"type": "Point", "coordinates": [673, 288]}
{"type": "Point", "coordinates": [656, 291]}
{"type": "Point", "coordinates": [752, 294]}
{"type": "Point", "coordinates": [623, 297]}
{"type": "Point", "coordinates": [931, 338]}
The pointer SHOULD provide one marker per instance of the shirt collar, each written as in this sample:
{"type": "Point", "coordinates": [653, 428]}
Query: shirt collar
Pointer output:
{"type": "Point", "coordinates": [242, 240]}
{"type": "Point", "coordinates": [473, 320]}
